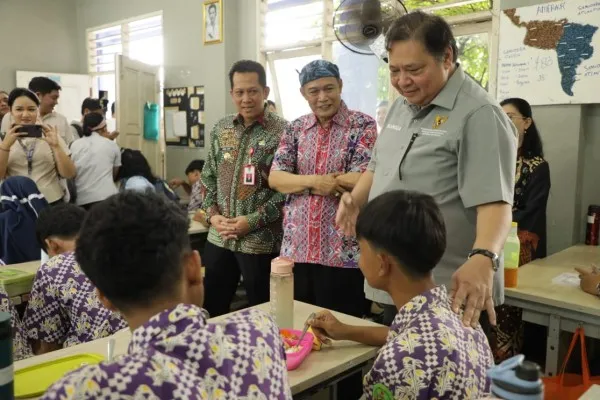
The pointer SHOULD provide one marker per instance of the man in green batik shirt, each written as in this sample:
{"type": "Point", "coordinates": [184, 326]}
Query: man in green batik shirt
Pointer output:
{"type": "Point", "coordinates": [244, 214]}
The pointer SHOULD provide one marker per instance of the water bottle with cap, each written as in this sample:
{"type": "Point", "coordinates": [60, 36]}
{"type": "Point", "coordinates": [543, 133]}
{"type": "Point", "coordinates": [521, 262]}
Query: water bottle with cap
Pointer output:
{"type": "Point", "coordinates": [6, 358]}
{"type": "Point", "coordinates": [282, 292]}
{"type": "Point", "coordinates": [517, 379]}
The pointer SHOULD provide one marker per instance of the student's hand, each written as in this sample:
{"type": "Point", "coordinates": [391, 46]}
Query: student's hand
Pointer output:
{"type": "Point", "coordinates": [347, 215]}
{"type": "Point", "coordinates": [326, 327]}
{"type": "Point", "coordinates": [237, 228]}
{"type": "Point", "coordinates": [472, 288]}
{"type": "Point", "coordinates": [200, 216]}
{"type": "Point", "coordinates": [11, 137]}
{"type": "Point", "coordinates": [327, 185]}
{"type": "Point", "coordinates": [113, 135]}
{"type": "Point", "coordinates": [589, 280]}
{"type": "Point", "coordinates": [175, 183]}
{"type": "Point", "coordinates": [50, 135]}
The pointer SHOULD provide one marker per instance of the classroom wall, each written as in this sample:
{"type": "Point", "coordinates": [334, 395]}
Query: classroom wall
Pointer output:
{"type": "Point", "coordinates": [37, 35]}
{"type": "Point", "coordinates": [571, 136]}
{"type": "Point", "coordinates": [187, 60]}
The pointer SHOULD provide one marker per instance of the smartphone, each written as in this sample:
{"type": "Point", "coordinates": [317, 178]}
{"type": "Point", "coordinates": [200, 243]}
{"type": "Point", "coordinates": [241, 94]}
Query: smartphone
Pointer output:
{"type": "Point", "coordinates": [32, 131]}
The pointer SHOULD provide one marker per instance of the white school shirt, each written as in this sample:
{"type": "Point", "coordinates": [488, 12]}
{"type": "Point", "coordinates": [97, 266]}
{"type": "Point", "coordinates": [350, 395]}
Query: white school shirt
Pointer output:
{"type": "Point", "coordinates": [95, 157]}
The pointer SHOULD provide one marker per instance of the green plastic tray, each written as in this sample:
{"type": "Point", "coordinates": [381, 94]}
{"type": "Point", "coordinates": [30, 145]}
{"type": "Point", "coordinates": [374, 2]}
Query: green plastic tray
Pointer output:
{"type": "Point", "coordinates": [35, 380]}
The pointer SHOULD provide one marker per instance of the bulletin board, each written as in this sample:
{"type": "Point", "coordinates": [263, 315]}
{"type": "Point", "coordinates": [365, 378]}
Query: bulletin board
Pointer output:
{"type": "Point", "coordinates": [184, 116]}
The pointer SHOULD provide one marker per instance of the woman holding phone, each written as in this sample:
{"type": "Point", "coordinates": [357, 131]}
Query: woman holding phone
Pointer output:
{"type": "Point", "coordinates": [23, 152]}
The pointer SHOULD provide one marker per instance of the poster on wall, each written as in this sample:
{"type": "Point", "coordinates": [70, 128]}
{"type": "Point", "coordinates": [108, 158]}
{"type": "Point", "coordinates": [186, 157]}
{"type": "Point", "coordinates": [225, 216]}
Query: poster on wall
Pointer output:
{"type": "Point", "coordinates": [184, 116]}
{"type": "Point", "coordinates": [550, 53]}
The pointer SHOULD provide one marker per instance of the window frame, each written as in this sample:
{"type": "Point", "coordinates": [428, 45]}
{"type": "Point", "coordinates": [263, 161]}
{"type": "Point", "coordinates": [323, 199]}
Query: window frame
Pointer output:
{"type": "Point", "coordinates": [125, 44]}
{"type": "Point", "coordinates": [468, 24]}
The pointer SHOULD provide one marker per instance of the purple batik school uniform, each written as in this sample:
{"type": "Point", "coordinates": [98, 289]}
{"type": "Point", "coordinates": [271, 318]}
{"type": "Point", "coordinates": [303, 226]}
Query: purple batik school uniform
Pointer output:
{"type": "Point", "coordinates": [195, 197]}
{"type": "Point", "coordinates": [21, 348]}
{"type": "Point", "coordinates": [179, 355]}
{"type": "Point", "coordinates": [64, 307]}
{"type": "Point", "coordinates": [430, 354]}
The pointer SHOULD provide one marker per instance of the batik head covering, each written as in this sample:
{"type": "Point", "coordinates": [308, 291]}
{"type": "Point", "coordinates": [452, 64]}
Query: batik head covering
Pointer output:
{"type": "Point", "coordinates": [22, 203]}
{"type": "Point", "coordinates": [318, 69]}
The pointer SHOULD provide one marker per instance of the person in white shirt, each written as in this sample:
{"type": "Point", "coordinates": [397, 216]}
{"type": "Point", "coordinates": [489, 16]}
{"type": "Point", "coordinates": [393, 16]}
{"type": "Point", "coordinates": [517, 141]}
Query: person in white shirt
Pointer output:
{"type": "Point", "coordinates": [97, 160]}
{"type": "Point", "coordinates": [90, 105]}
{"type": "Point", "coordinates": [48, 91]}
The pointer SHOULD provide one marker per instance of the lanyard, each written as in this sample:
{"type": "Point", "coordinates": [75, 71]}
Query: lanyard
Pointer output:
{"type": "Point", "coordinates": [29, 154]}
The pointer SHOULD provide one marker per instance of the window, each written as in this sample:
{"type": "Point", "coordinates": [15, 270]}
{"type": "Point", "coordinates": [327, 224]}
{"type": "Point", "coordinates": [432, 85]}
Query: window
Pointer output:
{"type": "Point", "coordinates": [296, 32]}
{"type": "Point", "coordinates": [139, 39]}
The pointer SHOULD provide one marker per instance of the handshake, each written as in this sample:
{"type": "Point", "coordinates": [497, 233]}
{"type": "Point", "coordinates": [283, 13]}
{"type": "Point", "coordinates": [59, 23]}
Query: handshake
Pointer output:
{"type": "Point", "coordinates": [334, 184]}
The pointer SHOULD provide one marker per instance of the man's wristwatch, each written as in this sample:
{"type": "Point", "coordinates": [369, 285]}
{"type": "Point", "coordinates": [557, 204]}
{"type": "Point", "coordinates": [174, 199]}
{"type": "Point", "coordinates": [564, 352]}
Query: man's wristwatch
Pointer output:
{"type": "Point", "coordinates": [486, 253]}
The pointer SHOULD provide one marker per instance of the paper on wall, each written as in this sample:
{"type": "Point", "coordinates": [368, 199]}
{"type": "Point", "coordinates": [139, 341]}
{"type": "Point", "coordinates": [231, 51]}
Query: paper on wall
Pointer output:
{"type": "Point", "coordinates": [175, 124]}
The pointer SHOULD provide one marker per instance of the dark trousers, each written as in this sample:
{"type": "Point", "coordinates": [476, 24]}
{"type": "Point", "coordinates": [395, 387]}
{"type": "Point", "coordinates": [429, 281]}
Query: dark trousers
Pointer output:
{"type": "Point", "coordinates": [337, 289]}
{"type": "Point", "coordinates": [223, 270]}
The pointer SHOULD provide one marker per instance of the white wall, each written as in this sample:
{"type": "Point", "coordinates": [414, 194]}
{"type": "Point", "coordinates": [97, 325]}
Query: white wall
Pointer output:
{"type": "Point", "coordinates": [37, 35]}
{"type": "Point", "coordinates": [187, 60]}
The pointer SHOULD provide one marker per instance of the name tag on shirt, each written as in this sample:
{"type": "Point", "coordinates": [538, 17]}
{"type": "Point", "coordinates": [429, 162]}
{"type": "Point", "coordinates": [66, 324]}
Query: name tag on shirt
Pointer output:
{"type": "Point", "coordinates": [433, 132]}
{"type": "Point", "coordinates": [249, 175]}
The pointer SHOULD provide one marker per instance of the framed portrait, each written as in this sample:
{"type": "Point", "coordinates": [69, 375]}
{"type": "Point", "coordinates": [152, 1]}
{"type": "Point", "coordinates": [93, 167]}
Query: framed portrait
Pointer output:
{"type": "Point", "coordinates": [213, 21]}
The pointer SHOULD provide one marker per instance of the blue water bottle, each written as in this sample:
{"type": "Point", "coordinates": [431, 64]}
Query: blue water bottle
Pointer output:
{"type": "Point", "coordinates": [6, 359]}
{"type": "Point", "coordinates": [517, 379]}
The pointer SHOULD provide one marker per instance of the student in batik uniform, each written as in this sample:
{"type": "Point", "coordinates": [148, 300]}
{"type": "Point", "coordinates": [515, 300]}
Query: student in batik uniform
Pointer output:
{"type": "Point", "coordinates": [21, 348]}
{"type": "Point", "coordinates": [320, 156]}
{"type": "Point", "coordinates": [193, 186]}
{"type": "Point", "coordinates": [243, 212]}
{"type": "Point", "coordinates": [63, 308]}
{"type": "Point", "coordinates": [149, 272]}
{"type": "Point", "coordinates": [427, 352]}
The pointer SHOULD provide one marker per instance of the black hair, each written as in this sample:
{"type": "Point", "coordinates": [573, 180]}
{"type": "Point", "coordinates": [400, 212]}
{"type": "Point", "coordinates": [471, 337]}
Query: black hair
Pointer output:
{"type": "Point", "coordinates": [431, 30]}
{"type": "Point", "coordinates": [196, 165]}
{"type": "Point", "coordinates": [407, 225]}
{"type": "Point", "coordinates": [271, 103]}
{"type": "Point", "coordinates": [90, 121]}
{"type": "Point", "coordinates": [248, 66]}
{"type": "Point", "coordinates": [63, 221]}
{"type": "Point", "coordinates": [113, 107]}
{"type": "Point", "coordinates": [91, 104]}
{"type": "Point", "coordinates": [133, 163]}
{"type": "Point", "coordinates": [22, 92]}
{"type": "Point", "coordinates": [131, 247]}
{"type": "Point", "coordinates": [213, 6]}
{"type": "Point", "coordinates": [43, 85]}
{"type": "Point", "coordinates": [532, 141]}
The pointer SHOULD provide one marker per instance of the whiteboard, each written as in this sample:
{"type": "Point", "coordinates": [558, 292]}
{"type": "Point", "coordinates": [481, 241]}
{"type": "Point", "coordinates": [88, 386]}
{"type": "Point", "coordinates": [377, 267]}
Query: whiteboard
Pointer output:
{"type": "Point", "coordinates": [550, 53]}
{"type": "Point", "coordinates": [75, 88]}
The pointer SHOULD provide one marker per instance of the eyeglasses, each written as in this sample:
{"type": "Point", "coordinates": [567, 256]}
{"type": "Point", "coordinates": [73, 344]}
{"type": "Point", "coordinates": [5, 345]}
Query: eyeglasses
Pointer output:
{"type": "Point", "coordinates": [514, 117]}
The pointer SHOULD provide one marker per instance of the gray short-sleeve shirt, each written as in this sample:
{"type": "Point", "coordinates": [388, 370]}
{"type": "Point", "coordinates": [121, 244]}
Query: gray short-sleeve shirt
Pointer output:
{"type": "Point", "coordinates": [461, 149]}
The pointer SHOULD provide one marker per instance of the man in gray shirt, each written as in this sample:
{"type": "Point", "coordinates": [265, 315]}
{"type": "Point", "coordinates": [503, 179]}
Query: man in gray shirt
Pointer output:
{"type": "Point", "coordinates": [446, 137]}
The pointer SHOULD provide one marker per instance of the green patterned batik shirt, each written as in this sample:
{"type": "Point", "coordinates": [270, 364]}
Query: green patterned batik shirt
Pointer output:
{"type": "Point", "coordinates": [225, 192]}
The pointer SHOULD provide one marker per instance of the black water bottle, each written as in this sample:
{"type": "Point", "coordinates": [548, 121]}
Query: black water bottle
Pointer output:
{"type": "Point", "coordinates": [7, 387]}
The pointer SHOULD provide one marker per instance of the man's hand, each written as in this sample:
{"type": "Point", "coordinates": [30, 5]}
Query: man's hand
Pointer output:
{"type": "Point", "coordinates": [175, 183]}
{"type": "Point", "coordinates": [200, 216]}
{"type": "Point", "coordinates": [347, 215]}
{"type": "Point", "coordinates": [327, 185]}
{"type": "Point", "coordinates": [589, 280]}
{"type": "Point", "coordinates": [220, 224]}
{"type": "Point", "coordinates": [472, 288]}
{"type": "Point", "coordinates": [327, 327]}
{"type": "Point", "coordinates": [236, 228]}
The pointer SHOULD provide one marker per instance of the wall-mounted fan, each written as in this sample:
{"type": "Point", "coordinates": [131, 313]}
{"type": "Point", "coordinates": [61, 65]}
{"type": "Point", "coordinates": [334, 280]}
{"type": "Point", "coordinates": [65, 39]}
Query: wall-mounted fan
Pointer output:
{"type": "Point", "coordinates": [360, 25]}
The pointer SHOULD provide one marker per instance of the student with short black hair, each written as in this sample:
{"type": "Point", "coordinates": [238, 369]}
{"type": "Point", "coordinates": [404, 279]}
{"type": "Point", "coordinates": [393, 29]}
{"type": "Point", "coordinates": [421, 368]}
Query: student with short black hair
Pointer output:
{"type": "Point", "coordinates": [48, 93]}
{"type": "Point", "coordinates": [97, 159]}
{"type": "Point", "coordinates": [402, 238]}
{"type": "Point", "coordinates": [64, 309]}
{"type": "Point", "coordinates": [193, 186]}
{"type": "Point", "coordinates": [136, 249]}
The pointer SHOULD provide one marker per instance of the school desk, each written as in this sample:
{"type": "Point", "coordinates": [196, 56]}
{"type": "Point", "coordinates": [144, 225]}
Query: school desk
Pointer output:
{"type": "Point", "coordinates": [558, 306]}
{"type": "Point", "coordinates": [320, 369]}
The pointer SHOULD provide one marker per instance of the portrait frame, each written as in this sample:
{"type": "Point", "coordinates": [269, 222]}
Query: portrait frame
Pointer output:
{"type": "Point", "coordinates": [212, 30]}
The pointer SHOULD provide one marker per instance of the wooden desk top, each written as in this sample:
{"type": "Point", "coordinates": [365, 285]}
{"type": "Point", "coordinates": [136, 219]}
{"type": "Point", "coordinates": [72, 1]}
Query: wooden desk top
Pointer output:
{"type": "Point", "coordinates": [535, 280]}
{"type": "Point", "coordinates": [31, 266]}
{"type": "Point", "coordinates": [318, 367]}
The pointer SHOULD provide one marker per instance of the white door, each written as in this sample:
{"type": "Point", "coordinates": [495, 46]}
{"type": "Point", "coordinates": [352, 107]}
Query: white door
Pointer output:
{"type": "Point", "coordinates": [137, 85]}
{"type": "Point", "coordinates": [75, 88]}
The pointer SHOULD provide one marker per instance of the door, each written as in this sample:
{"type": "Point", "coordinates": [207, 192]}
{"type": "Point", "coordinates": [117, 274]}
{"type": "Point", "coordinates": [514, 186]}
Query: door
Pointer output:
{"type": "Point", "coordinates": [137, 85]}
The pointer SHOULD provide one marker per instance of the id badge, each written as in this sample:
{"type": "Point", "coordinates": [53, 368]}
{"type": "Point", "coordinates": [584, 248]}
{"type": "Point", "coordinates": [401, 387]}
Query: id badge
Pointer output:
{"type": "Point", "coordinates": [249, 175]}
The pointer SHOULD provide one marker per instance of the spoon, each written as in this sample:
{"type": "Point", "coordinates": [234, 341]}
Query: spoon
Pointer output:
{"type": "Point", "coordinates": [306, 326]}
{"type": "Point", "coordinates": [111, 349]}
